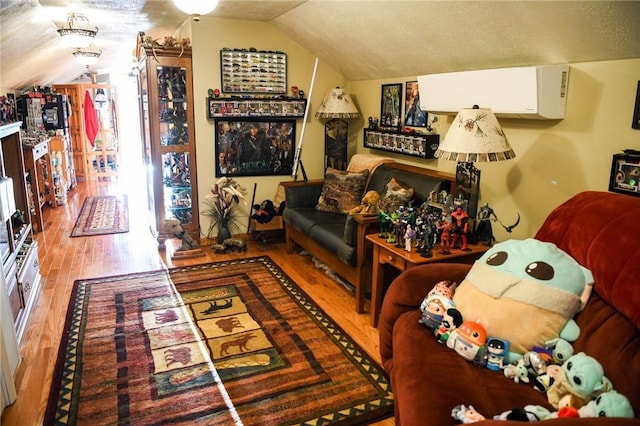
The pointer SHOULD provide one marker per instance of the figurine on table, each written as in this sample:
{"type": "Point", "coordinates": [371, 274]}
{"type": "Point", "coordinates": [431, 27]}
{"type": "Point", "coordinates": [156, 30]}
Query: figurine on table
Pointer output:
{"type": "Point", "coordinates": [460, 220]}
{"type": "Point", "coordinates": [485, 229]}
{"type": "Point", "coordinates": [409, 234]}
{"type": "Point", "coordinates": [445, 226]}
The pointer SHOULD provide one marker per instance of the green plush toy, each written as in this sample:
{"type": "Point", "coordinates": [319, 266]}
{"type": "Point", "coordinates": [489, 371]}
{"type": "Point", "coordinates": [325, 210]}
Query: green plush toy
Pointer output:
{"type": "Point", "coordinates": [582, 376]}
{"type": "Point", "coordinates": [526, 292]}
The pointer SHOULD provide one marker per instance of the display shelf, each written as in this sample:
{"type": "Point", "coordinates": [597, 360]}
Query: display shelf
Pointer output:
{"type": "Point", "coordinates": [256, 107]}
{"type": "Point", "coordinates": [38, 169]}
{"type": "Point", "coordinates": [169, 149]}
{"type": "Point", "coordinates": [406, 143]}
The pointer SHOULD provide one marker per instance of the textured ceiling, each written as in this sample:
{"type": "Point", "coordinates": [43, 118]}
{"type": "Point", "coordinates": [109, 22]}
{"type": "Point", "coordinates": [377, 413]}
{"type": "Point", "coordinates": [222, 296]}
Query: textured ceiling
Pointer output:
{"type": "Point", "coordinates": [362, 39]}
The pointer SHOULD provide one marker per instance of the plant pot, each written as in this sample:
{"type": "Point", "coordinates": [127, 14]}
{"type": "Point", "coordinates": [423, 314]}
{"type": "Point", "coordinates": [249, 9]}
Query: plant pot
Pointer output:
{"type": "Point", "coordinates": [223, 233]}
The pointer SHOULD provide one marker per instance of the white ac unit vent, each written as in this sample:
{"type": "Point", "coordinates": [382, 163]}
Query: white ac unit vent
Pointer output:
{"type": "Point", "coordinates": [538, 92]}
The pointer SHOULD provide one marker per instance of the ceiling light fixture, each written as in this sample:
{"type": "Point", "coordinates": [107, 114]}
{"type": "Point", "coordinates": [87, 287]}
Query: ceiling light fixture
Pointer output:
{"type": "Point", "coordinates": [78, 32]}
{"type": "Point", "coordinates": [196, 7]}
{"type": "Point", "coordinates": [87, 57]}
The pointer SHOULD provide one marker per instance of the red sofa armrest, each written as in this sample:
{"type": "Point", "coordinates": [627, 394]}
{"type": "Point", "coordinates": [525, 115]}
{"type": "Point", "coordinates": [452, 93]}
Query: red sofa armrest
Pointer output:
{"type": "Point", "coordinates": [407, 292]}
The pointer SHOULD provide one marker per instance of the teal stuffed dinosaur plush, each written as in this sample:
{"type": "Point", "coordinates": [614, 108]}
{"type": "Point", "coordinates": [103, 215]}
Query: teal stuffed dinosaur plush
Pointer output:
{"type": "Point", "coordinates": [526, 292]}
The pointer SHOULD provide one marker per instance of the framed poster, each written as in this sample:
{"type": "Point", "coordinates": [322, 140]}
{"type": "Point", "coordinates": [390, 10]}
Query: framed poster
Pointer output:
{"type": "Point", "coordinates": [390, 105]}
{"type": "Point", "coordinates": [245, 147]}
{"type": "Point", "coordinates": [625, 174]}
{"type": "Point", "coordinates": [413, 115]}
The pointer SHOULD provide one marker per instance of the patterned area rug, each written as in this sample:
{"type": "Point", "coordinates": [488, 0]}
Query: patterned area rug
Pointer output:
{"type": "Point", "coordinates": [101, 215]}
{"type": "Point", "coordinates": [130, 355]}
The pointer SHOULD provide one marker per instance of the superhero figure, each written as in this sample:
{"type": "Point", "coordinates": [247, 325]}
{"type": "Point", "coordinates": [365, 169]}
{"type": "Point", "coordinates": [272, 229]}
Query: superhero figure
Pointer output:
{"type": "Point", "coordinates": [460, 220]}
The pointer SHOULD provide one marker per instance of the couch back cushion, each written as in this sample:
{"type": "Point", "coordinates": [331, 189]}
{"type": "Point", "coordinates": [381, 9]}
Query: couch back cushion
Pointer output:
{"type": "Point", "coordinates": [421, 184]}
{"type": "Point", "coordinates": [601, 230]}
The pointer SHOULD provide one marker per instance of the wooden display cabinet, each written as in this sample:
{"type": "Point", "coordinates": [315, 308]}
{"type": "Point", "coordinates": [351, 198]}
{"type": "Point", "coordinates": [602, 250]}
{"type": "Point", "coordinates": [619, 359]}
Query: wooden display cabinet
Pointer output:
{"type": "Point", "coordinates": [169, 148]}
{"type": "Point", "coordinates": [19, 252]}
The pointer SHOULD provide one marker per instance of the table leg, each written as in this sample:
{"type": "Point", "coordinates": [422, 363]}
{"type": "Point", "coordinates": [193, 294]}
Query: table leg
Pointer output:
{"type": "Point", "coordinates": [376, 286]}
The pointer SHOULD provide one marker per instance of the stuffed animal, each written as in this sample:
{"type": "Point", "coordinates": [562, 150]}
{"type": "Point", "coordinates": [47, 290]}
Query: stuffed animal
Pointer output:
{"type": "Point", "coordinates": [433, 309]}
{"type": "Point", "coordinates": [468, 340]}
{"type": "Point", "coordinates": [264, 212]}
{"type": "Point", "coordinates": [581, 376]}
{"type": "Point", "coordinates": [173, 228]}
{"type": "Point", "coordinates": [608, 404]}
{"type": "Point", "coordinates": [525, 280]}
{"type": "Point", "coordinates": [517, 372]}
{"type": "Point", "coordinates": [368, 204]}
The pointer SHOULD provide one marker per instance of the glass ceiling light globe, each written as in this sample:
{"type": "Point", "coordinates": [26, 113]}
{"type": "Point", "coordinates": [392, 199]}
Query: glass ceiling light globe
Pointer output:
{"type": "Point", "coordinates": [196, 7]}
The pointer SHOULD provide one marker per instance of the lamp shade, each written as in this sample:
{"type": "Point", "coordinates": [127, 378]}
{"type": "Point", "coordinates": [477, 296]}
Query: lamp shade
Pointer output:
{"type": "Point", "coordinates": [337, 104]}
{"type": "Point", "coordinates": [475, 135]}
{"type": "Point", "coordinates": [196, 7]}
{"type": "Point", "coordinates": [78, 32]}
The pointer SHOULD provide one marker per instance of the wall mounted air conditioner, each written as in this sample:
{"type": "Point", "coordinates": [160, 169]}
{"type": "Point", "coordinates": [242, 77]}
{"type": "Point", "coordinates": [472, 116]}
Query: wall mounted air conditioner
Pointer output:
{"type": "Point", "coordinates": [538, 92]}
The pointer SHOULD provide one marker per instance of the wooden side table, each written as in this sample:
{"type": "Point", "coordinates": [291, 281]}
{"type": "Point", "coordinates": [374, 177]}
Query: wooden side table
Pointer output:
{"type": "Point", "coordinates": [385, 253]}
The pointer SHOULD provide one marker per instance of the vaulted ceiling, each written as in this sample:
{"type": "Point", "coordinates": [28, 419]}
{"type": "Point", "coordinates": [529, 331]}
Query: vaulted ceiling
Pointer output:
{"type": "Point", "coordinates": [362, 39]}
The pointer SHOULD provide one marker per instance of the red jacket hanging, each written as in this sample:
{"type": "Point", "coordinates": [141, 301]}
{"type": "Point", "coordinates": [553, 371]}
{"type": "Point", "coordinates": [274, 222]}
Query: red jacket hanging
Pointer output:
{"type": "Point", "coordinates": [91, 125]}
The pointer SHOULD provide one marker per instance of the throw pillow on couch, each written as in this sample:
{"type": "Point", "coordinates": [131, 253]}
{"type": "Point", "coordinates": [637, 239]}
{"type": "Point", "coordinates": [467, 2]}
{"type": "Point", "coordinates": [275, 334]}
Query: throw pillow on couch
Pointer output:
{"type": "Point", "coordinates": [341, 190]}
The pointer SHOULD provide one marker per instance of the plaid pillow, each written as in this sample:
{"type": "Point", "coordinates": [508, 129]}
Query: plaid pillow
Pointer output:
{"type": "Point", "coordinates": [341, 190]}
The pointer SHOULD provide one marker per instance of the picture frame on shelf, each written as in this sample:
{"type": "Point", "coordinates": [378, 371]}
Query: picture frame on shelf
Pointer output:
{"type": "Point", "coordinates": [254, 147]}
{"type": "Point", "coordinates": [636, 111]}
{"type": "Point", "coordinates": [418, 145]}
{"type": "Point", "coordinates": [255, 107]}
{"type": "Point", "coordinates": [391, 105]}
{"type": "Point", "coordinates": [413, 115]}
{"type": "Point", "coordinates": [625, 174]}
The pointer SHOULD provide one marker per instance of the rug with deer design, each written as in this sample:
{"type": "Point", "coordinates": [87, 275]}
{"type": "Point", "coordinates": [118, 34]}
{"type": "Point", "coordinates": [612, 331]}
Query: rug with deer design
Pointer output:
{"type": "Point", "coordinates": [280, 358]}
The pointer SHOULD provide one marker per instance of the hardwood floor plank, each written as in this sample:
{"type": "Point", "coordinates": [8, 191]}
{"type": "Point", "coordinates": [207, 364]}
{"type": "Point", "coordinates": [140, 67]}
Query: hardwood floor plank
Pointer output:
{"type": "Point", "coordinates": [64, 260]}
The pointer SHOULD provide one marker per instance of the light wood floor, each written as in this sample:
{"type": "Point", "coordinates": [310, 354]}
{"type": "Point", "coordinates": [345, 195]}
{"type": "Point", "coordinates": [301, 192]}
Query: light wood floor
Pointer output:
{"type": "Point", "coordinates": [64, 259]}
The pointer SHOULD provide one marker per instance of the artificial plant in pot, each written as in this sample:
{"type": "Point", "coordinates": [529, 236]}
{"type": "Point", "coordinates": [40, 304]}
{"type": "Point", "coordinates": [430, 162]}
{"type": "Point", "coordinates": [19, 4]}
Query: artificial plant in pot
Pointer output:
{"type": "Point", "coordinates": [222, 208]}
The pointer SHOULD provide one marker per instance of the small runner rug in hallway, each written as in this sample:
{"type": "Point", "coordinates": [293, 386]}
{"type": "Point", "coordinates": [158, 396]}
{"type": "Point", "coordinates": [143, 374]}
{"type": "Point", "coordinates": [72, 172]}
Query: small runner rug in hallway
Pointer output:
{"type": "Point", "coordinates": [101, 215]}
{"type": "Point", "coordinates": [130, 354]}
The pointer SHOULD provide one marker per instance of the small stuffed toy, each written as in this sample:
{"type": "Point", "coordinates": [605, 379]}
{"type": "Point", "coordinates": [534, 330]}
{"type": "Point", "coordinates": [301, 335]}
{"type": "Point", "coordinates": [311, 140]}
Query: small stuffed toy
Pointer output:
{"type": "Point", "coordinates": [581, 376]}
{"type": "Point", "coordinates": [468, 339]}
{"type": "Point", "coordinates": [517, 372]}
{"type": "Point", "coordinates": [368, 206]}
{"type": "Point", "coordinates": [451, 320]}
{"type": "Point", "coordinates": [433, 309]}
{"type": "Point", "coordinates": [525, 280]}
{"type": "Point", "coordinates": [264, 212]}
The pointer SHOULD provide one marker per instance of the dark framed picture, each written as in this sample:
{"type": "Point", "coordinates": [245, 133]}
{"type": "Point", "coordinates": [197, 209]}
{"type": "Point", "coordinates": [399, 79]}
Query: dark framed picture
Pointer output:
{"type": "Point", "coordinates": [413, 115]}
{"type": "Point", "coordinates": [246, 147]}
{"type": "Point", "coordinates": [636, 111]}
{"type": "Point", "coordinates": [625, 174]}
{"type": "Point", "coordinates": [391, 105]}
{"type": "Point", "coordinates": [336, 144]}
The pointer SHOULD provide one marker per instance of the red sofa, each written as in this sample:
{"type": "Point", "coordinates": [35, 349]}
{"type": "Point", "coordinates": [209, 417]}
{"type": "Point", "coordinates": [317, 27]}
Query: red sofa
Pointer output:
{"type": "Point", "coordinates": [601, 230]}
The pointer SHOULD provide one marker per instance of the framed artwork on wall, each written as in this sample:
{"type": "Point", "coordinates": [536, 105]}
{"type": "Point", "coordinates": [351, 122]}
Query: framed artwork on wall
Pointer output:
{"type": "Point", "coordinates": [636, 111]}
{"type": "Point", "coordinates": [625, 174]}
{"type": "Point", "coordinates": [391, 105]}
{"type": "Point", "coordinates": [253, 71]}
{"type": "Point", "coordinates": [336, 144]}
{"type": "Point", "coordinates": [254, 147]}
{"type": "Point", "coordinates": [413, 115]}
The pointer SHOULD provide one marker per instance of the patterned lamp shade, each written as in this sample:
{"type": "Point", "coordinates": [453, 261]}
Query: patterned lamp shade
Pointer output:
{"type": "Point", "coordinates": [475, 135]}
{"type": "Point", "coordinates": [337, 104]}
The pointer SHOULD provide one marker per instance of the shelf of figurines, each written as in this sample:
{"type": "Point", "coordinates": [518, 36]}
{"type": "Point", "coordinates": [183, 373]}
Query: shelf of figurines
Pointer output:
{"type": "Point", "coordinates": [258, 107]}
{"type": "Point", "coordinates": [421, 145]}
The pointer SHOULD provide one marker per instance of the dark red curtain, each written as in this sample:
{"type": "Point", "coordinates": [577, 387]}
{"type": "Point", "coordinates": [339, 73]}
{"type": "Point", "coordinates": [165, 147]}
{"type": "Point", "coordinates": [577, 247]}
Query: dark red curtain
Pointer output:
{"type": "Point", "coordinates": [91, 125]}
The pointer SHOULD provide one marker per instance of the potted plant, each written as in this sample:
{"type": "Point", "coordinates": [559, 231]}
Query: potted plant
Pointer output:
{"type": "Point", "coordinates": [222, 207]}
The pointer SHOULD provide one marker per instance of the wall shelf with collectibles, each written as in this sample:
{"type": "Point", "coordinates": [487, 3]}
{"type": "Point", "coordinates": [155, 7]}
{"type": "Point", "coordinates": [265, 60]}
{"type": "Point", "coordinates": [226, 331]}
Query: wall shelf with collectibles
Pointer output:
{"type": "Point", "coordinates": [412, 144]}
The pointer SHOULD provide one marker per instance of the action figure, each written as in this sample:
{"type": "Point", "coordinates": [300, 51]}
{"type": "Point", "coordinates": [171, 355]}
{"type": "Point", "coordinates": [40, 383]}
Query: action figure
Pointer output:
{"type": "Point", "coordinates": [408, 237]}
{"type": "Point", "coordinates": [460, 220]}
{"type": "Point", "coordinates": [445, 226]}
{"type": "Point", "coordinates": [485, 230]}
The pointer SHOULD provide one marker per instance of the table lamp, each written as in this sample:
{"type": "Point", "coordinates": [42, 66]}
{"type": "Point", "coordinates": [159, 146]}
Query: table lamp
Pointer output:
{"type": "Point", "coordinates": [337, 105]}
{"type": "Point", "coordinates": [475, 135]}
